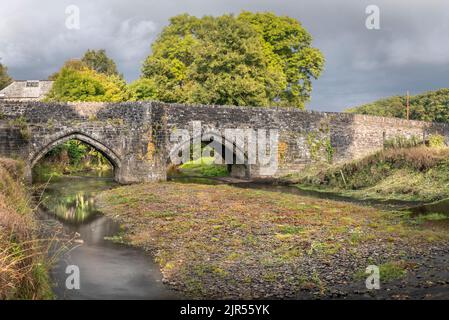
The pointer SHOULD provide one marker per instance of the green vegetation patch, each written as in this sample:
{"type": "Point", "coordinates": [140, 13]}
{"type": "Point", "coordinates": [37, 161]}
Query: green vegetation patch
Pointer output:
{"type": "Point", "coordinates": [414, 174]}
{"type": "Point", "coordinates": [221, 241]}
{"type": "Point", "coordinates": [71, 157]}
{"type": "Point", "coordinates": [204, 167]}
{"type": "Point", "coordinates": [428, 106]}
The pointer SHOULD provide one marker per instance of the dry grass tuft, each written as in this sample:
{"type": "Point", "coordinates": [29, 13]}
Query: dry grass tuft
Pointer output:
{"type": "Point", "coordinates": [22, 273]}
{"type": "Point", "coordinates": [415, 174]}
{"type": "Point", "coordinates": [420, 158]}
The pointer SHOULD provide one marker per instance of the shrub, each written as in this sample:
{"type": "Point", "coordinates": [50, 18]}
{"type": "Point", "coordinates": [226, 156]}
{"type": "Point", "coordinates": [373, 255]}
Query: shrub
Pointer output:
{"type": "Point", "coordinates": [398, 142]}
{"type": "Point", "coordinates": [436, 141]}
{"type": "Point", "coordinates": [22, 124]}
{"type": "Point", "coordinates": [370, 170]}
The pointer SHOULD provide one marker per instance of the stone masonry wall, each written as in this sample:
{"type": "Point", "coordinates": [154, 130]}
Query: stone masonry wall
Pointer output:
{"type": "Point", "coordinates": [135, 136]}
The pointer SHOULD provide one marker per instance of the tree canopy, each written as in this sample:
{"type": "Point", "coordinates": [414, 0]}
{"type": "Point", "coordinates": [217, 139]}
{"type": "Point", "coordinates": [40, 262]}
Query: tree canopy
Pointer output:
{"type": "Point", "coordinates": [143, 89]}
{"type": "Point", "coordinates": [77, 82]}
{"type": "Point", "coordinates": [253, 59]}
{"type": "Point", "coordinates": [428, 106]}
{"type": "Point", "coordinates": [5, 79]}
{"type": "Point", "coordinates": [257, 59]}
{"type": "Point", "coordinates": [98, 60]}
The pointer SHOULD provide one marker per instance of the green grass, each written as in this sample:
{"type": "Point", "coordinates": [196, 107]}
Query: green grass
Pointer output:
{"type": "Point", "coordinates": [43, 171]}
{"type": "Point", "coordinates": [290, 229]}
{"type": "Point", "coordinates": [430, 217]}
{"type": "Point", "coordinates": [116, 239]}
{"type": "Point", "coordinates": [392, 271]}
{"type": "Point", "coordinates": [41, 288]}
{"type": "Point", "coordinates": [204, 167]}
{"type": "Point", "coordinates": [434, 217]}
{"type": "Point", "coordinates": [389, 271]}
{"type": "Point", "coordinates": [410, 174]}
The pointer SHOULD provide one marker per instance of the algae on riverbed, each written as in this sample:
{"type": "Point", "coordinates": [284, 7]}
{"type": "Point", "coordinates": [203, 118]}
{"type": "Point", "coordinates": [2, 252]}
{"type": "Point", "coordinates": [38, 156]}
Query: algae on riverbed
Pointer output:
{"type": "Point", "coordinates": [226, 242]}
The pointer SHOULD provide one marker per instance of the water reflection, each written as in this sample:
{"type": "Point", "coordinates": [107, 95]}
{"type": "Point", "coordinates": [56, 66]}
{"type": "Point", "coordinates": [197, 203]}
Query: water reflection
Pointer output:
{"type": "Point", "coordinates": [108, 270]}
{"type": "Point", "coordinates": [72, 199]}
{"type": "Point", "coordinates": [74, 209]}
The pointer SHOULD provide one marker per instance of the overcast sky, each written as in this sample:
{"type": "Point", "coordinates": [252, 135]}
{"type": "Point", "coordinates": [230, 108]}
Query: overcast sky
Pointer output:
{"type": "Point", "coordinates": [409, 52]}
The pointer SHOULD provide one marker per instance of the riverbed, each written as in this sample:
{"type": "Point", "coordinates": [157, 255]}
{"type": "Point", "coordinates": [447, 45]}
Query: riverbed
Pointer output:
{"type": "Point", "coordinates": [113, 270]}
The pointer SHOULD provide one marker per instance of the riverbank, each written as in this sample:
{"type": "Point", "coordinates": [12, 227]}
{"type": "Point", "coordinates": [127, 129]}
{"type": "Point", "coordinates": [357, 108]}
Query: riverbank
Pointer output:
{"type": "Point", "coordinates": [23, 270]}
{"type": "Point", "coordinates": [419, 174]}
{"type": "Point", "coordinates": [221, 241]}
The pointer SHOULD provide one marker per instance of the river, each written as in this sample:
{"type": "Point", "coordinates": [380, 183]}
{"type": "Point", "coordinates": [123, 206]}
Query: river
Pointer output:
{"type": "Point", "coordinates": [108, 270]}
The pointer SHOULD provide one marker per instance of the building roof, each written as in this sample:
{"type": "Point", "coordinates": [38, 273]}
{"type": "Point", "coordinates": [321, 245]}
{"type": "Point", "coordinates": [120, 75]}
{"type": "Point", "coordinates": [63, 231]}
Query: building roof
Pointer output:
{"type": "Point", "coordinates": [26, 89]}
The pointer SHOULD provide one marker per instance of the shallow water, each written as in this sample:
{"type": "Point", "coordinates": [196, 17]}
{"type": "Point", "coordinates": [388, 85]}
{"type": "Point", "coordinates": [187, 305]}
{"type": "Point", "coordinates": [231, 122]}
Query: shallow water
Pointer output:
{"type": "Point", "coordinates": [108, 270]}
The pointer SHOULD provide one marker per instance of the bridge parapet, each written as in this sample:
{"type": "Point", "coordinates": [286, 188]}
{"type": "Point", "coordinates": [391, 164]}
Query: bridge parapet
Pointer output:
{"type": "Point", "coordinates": [136, 136]}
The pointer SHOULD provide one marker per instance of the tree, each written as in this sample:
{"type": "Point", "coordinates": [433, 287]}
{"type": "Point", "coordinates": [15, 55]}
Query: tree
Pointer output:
{"type": "Point", "coordinates": [98, 60]}
{"type": "Point", "coordinates": [5, 79]}
{"type": "Point", "coordinates": [388, 107]}
{"type": "Point", "coordinates": [143, 89]}
{"type": "Point", "coordinates": [253, 59]}
{"type": "Point", "coordinates": [289, 45]}
{"type": "Point", "coordinates": [76, 82]}
{"type": "Point", "coordinates": [73, 64]}
{"type": "Point", "coordinates": [428, 106]}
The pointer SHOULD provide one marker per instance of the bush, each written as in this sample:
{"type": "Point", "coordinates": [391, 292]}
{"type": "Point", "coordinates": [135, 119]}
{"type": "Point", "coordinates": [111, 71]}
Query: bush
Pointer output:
{"type": "Point", "coordinates": [436, 141]}
{"type": "Point", "coordinates": [402, 142]}
{"type": "Point", "coordinates": [22, 124]}
{"type": "Point", "coordinates": [370, 170]}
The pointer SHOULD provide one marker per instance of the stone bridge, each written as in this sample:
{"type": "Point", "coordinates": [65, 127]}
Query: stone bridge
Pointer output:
{"type": "Point", "coordinates": [136, 136]}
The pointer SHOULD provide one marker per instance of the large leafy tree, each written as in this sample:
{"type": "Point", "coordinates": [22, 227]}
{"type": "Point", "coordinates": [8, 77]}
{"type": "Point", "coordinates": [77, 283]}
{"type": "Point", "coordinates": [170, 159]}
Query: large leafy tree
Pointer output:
{"type": "Point", "coordinates": [289, 45]}
{"type": "Point", "coordinates": [77, 82]}
{"type": "Point", "coordinates": [428, 106]}
{"type": "Point", "coordinates": [72, 64]}
{"type": "Point", "coordinates": [143, 89]}
{"type": "Point", "coordinates": [99, 61]}
{"type": "Point", "coordinates": [253, 59]}
{"type": "Point", "coordinates": [5, 79]}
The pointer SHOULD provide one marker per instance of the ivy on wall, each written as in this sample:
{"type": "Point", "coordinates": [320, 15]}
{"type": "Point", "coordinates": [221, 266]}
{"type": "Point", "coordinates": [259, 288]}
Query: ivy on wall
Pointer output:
{"type": "Point", "coordinates": [319, 144]}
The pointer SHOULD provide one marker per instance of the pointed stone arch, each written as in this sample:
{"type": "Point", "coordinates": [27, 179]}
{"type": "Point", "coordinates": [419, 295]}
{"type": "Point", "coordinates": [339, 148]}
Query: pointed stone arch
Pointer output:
{"type": "Point", "coordinates": [241, 168]}
{"type": "Point", "coordinates": [108, 153]}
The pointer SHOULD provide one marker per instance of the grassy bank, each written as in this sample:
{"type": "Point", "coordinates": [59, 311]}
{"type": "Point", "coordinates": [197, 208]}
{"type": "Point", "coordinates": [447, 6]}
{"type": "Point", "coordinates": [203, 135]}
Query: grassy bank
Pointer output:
{"type": "Point", "coordinates": [412, 174]}
{"type": "Point", "coordinates": [45, 170]}
{"type": "Point", "coordinates": [23, 272]}
{"type": "Point", "coordinates": [227, 242]}
{"type": "Point", "coordinates": [202, 167]}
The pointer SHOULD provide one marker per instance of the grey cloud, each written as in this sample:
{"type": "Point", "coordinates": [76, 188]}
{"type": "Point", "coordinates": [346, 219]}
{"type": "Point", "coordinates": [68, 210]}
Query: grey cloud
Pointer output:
{"type": "Point", "coordinates": [410, 52]}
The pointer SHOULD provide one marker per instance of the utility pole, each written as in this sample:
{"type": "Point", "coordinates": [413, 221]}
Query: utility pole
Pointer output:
{"type": "Point", "coordinates": [408, 105]}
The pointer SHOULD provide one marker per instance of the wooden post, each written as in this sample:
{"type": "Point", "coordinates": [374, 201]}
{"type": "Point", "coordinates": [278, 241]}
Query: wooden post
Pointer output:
{"type": "Point", "coordinates": [408, 105]}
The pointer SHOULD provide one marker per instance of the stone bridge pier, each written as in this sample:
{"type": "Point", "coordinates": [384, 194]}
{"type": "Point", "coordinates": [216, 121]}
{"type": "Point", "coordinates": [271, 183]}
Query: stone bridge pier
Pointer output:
{"type": "Point", "coordinates": [139, 138]}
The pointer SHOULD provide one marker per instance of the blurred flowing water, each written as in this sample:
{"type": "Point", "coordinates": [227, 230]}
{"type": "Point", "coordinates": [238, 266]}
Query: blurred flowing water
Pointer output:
{"type": "Point", "coordinates": [108, 270]}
